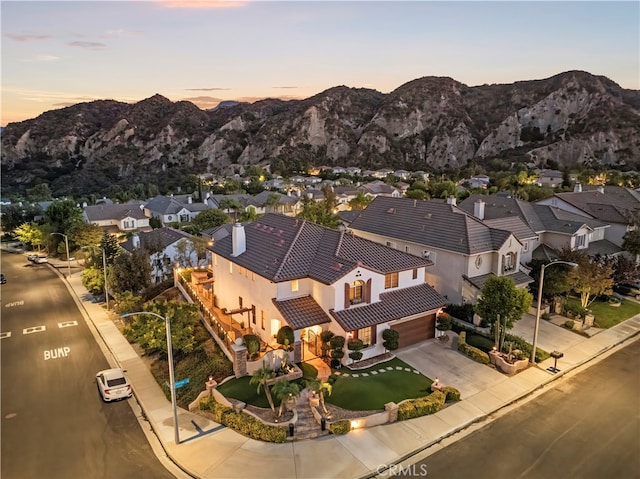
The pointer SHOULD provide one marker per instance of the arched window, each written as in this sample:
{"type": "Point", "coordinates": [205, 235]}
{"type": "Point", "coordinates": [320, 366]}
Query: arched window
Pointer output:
{"type": "Point", "coordinates": [356, 292]}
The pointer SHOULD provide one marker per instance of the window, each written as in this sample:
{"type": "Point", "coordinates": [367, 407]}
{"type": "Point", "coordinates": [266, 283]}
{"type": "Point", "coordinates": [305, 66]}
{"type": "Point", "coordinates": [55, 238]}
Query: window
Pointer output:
{"type": "Point", "coordinates": [253, 276]}
{"type": "Point", "coordinates": [356, 293]}
{"type": "Point", "coordinates": [391, 280]}
{"type": "Point", "coordinates": [415, 273]}
{"type": "Point", "coordinates": [391, 244]}
{"type": "Point", "coordinates": [581, 241]}
{"type": "Point", "coordinates": [509, 262]}
{"type": "Point", "coordinates": [406, 249]}
{"type": "Point", "coordinates": [240, 270]}
{"type": "Point", "coordinates": [295, 285]}
{"type": "Point", "coordinates": [230, 267]}
{"type": "Point", "coordinates": [184, 218]}
{"type": "Point", "coordinates": [525, 246]}
{"type": "Point", "coordinates": [364, 334]}
{"type": "Point", "coordinates": [262, 319]}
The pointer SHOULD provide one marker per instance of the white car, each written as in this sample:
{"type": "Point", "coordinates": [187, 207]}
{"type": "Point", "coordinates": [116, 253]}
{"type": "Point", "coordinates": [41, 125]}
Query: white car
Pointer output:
{"type": "Point", "coordinates": [113, 385]}
{"type": "Point", "coordinates": [41, 259]}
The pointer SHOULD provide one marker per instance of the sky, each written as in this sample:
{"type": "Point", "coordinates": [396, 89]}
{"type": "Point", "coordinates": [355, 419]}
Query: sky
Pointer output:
{"type": "Point", "coordinates": [55, 54]}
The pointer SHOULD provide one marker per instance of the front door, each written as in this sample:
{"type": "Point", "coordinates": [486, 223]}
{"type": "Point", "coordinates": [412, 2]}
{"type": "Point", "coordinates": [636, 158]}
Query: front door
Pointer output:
{"type": "Point", "coordinates": [314, 343]}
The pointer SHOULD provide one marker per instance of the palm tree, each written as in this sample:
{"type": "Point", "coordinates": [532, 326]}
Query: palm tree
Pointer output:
{"type": "Point", "coordinates": [318, 386]}
{"type": "Point", "coordinates": [260, 378]}
{"type": "Point", "coordinates": [284, 391]}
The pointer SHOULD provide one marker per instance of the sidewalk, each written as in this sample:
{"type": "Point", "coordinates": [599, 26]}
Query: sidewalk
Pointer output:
{"type": "Point", "coordinates": [209, 450]}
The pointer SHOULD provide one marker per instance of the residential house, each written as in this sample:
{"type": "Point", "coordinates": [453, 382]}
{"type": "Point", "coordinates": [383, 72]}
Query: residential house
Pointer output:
{"type": "Point", "coordinates": [380, 188]}
{"type": "Point", "coordinates": [117, 218]}
{"type": "Point", "coordinates": [475, 182]}
{"type": "Point", "coordinates": [543, 230]}
{"type": "Point", "coordinates": [174, 209]}
{"type": "Point", "coordinates": [465, 252]}
{"type": "Point", "coordinates": [344, 194]}
{"type": "Point", "coordinates": [264, 202]}
{"type": "Point", "coordinates": [549, 178]}
{"type": "Point", "coordinates": [614, 205]}
{"type": "Point", "coordinates": [285, 271]}
{"type": "Point", "coordinates": [167, 247]}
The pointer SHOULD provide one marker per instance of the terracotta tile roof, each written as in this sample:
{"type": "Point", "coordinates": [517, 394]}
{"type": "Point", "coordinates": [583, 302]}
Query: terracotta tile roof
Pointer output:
{"type": "Point", "coordinates": [393, 305]}
{"type": "Point", "coordinates": [281, 248]}
{"type": "Point", "coordinates": [612, 205]}
{"type": "Point", "coordinates": [519, 278]}
{"type": "Point", "coordinates": [114, 212]}
{"type": "Point", "coordinates": [161, 237]}
{"type": "Point", "coordinates": [302, 312]}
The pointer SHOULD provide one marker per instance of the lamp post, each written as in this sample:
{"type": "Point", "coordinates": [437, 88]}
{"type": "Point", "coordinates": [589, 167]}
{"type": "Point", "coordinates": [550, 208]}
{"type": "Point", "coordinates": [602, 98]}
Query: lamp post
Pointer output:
{"type": "Point", "coordinates": [532, 359]}
{"type": "Point", "coordinates": [104, 270]}
{"type": "Point", "coordinates": [66, 243]}
{"type": "Point", "coordinates": [171, 372]}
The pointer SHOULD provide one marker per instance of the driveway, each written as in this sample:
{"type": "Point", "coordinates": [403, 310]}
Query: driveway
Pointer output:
{"type": "Point", "coordinates": [440, 360]}
{"type": "Point", "coordinates": [551, 337]}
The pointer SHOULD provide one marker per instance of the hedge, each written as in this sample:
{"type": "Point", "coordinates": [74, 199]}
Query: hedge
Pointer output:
{"type": "Point", "coordinates": [474, 353]}
{"type": "Point", "coordinates": [421, 406]}
{"type": "Point", "coordinates": [452, 394]}
{"type": "Point", "coordinates": [243, 423]}
{"type": "Point", "coordinates": [340, 427]}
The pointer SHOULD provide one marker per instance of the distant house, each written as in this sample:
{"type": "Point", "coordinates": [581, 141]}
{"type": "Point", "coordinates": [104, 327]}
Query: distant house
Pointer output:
{"type": "Point", "coordinates": [344, 194]}
{"type": "Point", "coordinates": [549, 178]}
{"type": "Point", "coordinates": [264, 202]}
{"type": "Point", "coordinates": [284, 271]}
{"type": "Point", "coordinates": [613, 205]}
{"type": "Point", "coordinates": [174, 209]}
{"type": "Point", "coordinates": [476, 182]}
{"type": "Point", "coordinates": [465, 251]}
{"type": "Point", "coordinates": [117, 218]}
{"type": "Point", "coordinates": [164, 246]}
{"type": "Point", "coordinates": [380, 188]}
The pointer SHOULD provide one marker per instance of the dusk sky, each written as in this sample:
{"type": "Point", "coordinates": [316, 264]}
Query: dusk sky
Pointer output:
{"type": "Point", "coordinates": [55, 54]}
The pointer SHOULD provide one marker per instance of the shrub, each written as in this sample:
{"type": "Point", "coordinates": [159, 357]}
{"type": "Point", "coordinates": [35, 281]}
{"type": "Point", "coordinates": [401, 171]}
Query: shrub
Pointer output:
{"type": "Point", "coordinates": [243, 423]}
{"type": "Point", "coordinates": [340, 427]}
{"type": "Point", "coordinates": [252, 343]}
{"type": "Point", "coordinates": [443, 323]}
{"type": "Point", "coordinates": [451, 393]}
{"type": "Point", "coordinates": [546, 316]}
{"type": "Point", "coordinates": [285, 336]}
{"type": "Point", "coordinates": [525, 347]}
{"type": "Point", "coordinates": [337, 343]}
{"type": "Point", "coordinates": [474, 353]}
{"type": "Point", "coordinates": [390, 337]}
{"type": "Point", "coordinates": [568, 324]}
{"type": "Point", "coordinates": [421, 406]}
{"type": "Point", "coordinates": [325, 337]}
{"type": "Point", "coordinates": [464, 312]}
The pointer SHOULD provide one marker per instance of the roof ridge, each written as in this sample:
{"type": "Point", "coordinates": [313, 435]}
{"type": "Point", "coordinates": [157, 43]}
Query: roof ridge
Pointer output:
{"type": "Point", "coordinates": [291, 245]}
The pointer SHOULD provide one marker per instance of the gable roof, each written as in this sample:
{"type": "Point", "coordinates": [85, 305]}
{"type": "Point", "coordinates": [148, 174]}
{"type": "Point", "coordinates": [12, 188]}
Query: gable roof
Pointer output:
{"type": "Point", "coordinates": [609, 203]}
{"type": "Point", "coordinates": [429, 223]}
{"type": "Point", "coordinates": [161, 237]}
{"type": "Point", "coordinates": [502, 206]}
{"type": "Point", "coordinates": [281, 248]}
{"type": "Point", "coordinates": [103, 212]}
{"type": "Point", "coordinates": [171, 205]}
{"type": "Point", "coordinates": [302, 312]}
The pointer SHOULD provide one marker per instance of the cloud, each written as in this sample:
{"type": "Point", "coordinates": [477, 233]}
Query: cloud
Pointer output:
{"type": "Point", "coordinates": [201, 3]}
{"type": "Point", "coordinates": [121, 32]}
{"type": "Point", "coordinates": [285, 87]}
{"type": "Point", "coordinates": [207, 89]}
{"type": "Point", "coordinates": [88, 45]}
{"type": "Point", "coordinates": [41, 58]}
{"type": "Point", "coordinates": [26, 38]}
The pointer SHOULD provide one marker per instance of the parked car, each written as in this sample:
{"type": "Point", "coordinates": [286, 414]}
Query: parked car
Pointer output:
{"type": "Point", "coordinates": [3, 278]}
{"type": "Point", "coordinates": [41, 259]}
{"type": "Point", "coordinates": [113, 385]}
{"type": "Point", "coordinates": [32, 257]}
{"type": "Point", "coordinates": [628, 289]}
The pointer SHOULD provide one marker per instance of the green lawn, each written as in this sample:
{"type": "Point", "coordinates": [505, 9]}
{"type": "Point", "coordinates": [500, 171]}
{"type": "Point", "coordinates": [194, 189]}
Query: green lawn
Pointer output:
{"type": "Point", "coordinates": [374, 391]}
{"type": "Point", "coordinates": [606, 315]}
{"type": "Point", "coordinates": [357, 394]}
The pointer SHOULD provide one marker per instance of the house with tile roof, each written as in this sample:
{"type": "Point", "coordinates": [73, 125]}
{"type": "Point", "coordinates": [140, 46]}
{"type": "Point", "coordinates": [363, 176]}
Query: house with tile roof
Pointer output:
{"type": "Point", "coordinates": [465, 251]}
{"type": "Point", "coordinates": [285, 271]}
{"type": "Point", "coordinates": [543, 230]}
{"type": "Point", "coordinates": [174, 209]}
{"type": "Point", "coordinates": [117, 218]}
{"type": "Point", "coordinates": [379, 188]}
{"type": "Point", "coordinates": [289, 205]}
{"type": "Point", "coordinates": [614, 205]}
{"type": "Point", "coordinates": [167, 247]}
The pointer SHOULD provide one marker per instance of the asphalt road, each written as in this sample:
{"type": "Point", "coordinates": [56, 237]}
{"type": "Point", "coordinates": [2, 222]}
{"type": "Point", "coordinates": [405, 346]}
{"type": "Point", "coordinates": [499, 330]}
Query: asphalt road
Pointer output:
{"type": "Point", "coordinates": [54, 424]}
{"type": "Point", "coordinates": [587, 426]}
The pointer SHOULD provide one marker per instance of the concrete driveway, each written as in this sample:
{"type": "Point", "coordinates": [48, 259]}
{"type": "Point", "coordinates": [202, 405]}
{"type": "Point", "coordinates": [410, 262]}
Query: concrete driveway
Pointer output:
{"type": "Point", "coordinates": [440, 360]}
{"type": "Point", "coordinates": [551, 337]}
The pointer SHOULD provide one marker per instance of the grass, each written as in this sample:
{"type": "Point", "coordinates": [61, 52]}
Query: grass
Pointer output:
{"type": "Point", "coordinates": [606, 315]}
{"type": "Point", "coordinates": [372, 392]}
{"type": "Point", "coordinates": [356, 394]}
{"type": "Point", "coordinates": [308, 371]}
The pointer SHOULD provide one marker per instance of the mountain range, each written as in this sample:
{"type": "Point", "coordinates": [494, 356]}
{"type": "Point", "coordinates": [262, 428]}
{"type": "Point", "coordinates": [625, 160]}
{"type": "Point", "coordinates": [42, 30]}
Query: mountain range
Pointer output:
{"type": "Point", "coordinates": [433, 123]}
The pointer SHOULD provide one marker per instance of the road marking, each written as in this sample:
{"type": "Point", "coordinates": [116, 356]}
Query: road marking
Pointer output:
{"type": "Point", "coordinates": [67, 324]}
{"type": "Point", "coordinates": [56, 353]}
{"type": "Point", "coordinates": [5, 335]}
{"type": "Point", "coordinates": [14, 304]}
{"type": "Point", "coordinates": [35, 329]}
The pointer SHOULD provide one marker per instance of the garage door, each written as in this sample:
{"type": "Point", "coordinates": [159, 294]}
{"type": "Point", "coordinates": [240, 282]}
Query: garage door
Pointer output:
{"type": "Point", "coordinates": [416, 330]}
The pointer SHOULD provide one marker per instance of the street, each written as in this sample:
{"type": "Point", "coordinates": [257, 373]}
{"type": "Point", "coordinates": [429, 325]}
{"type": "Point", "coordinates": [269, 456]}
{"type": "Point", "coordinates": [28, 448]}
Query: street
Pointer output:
{"type": "Point", "coordinates": [54, 424]}
{"type": "Point", "coordinates": [586, 426]}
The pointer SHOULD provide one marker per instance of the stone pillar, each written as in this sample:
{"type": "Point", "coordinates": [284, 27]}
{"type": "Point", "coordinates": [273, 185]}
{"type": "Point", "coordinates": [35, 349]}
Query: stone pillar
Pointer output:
{"type": "Point", "coordinates": [211, 384]}
{"type": "Point", "coordinates": [239, 359]}
{"type": "Point", "coordinates": [297, 352]}
{"type": "Point", "coordinates": [392, 410]}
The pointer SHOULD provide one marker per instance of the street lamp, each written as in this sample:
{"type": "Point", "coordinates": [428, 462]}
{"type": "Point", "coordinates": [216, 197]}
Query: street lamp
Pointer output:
{"type": "Point", "coordinates": [171, 373]}
{"type": "Point", "coordinates": [66, 243]}
{"type": "Point", "coordinates": [532, 359]}
{"type": "Point", "coordinates": [104, 270]}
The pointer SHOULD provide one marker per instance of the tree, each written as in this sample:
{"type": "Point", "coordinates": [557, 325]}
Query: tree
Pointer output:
{"type": "Point", "coordinates": [285, 391]}
{"type": "Point", "coordinates": [128, 302]}
{"type": "Point", "coordinates": [360, 201]}
{"type": "Point", "coordinates": [231, 204]}
{"type": "Point", "coordinates": [320, 388]}
{"type": "Point", "coordinates": [15, 215]}
{"type": "Point", "coordinates": [321, 212]}
{"type": "Point", "coordinates": [502, 304]}
{"type": "Point", "coordinates": [285, 337]}
{"type": "Point", "coordinates": [187, 253]}
{"type": "Point", "coordinates": [391, 339]}
{"type": "Point", "coordinates": [259, 379]}
{"type": "Point", "coordinates": [631, 242]}
{"type": "Point", "coordinates": [355, 346]}
{"type": "Point", "coordinates": [591, 278]}
{"type": "Point", "coordinates": [555, 279]}
{"type": "Point", "coordinates": [93, 280]}
{"type": "Point", "coordinates": [85, 234]}
{"type": "Point", "coordinates": [273, 200]}
{"type": "Point", "coordinates": [29, 233]}
{"type": "Point", "coordinates": [211, 218]}
{"type": "Point", "coordinates": [130, 272]}
{"type": "Point", "coordinates": [337, 353]}
{"type": "Point", "coordinates": [63, 215]}
{"type": "Point", "coordinates": [39, 192]}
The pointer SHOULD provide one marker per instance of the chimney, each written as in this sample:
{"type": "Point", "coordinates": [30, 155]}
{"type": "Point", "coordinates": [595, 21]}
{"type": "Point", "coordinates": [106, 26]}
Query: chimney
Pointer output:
{"type": "Point", "coordinates": [189, 200]}
{"type": "Point", "coordinates": [451, 200]}
{"type": "Point", "coordinates": [478, 209]}
{"type": "Point", "coordinates": [135, 241]}
{"type": "Point", "coordinates": [238, 240]}
{"type": "Point", "coordinates": [600, 189]}
{"type": "Point", "coordinates": [577, 188]}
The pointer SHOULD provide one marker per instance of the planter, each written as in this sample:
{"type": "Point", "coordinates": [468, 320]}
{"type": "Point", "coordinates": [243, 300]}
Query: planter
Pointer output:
{"type": "Point", "coordinates": [506, 367]}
